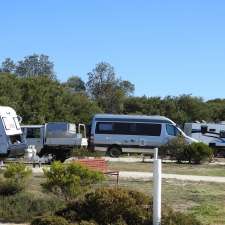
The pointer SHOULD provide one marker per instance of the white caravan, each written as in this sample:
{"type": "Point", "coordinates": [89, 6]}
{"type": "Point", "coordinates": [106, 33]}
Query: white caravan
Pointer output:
{"type": "Point", "coordinates": [212, 134]}
{"type": "Point", "coordinates": [56, 138]}
{"type": "Point", "coordinates": [132, 133]}
{"type": "Point", "coordinates": [12, 143]}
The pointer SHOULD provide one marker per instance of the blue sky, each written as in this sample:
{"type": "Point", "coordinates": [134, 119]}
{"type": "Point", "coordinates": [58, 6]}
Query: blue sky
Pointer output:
{"type": "Point", "coordinates": [164, 47]}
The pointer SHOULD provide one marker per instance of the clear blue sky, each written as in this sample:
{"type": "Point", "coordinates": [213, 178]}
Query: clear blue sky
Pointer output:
{"type": "Point", "coordinates": [164, 47]}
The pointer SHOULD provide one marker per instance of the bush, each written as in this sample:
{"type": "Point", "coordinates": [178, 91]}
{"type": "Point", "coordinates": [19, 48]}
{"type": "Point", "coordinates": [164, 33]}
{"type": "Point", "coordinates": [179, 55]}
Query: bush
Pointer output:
{"type": "Point", "coordinates": [22, 207]}
{"type": "Point", "coordinates": [70, 180]}
{"type": "Point", "coordinates": [8, 187]}
{"type": "Point", "coordinates": [50, 220]}
{"type": "Point", "coordinates": [109, 206]}
{"type": "Point", "coordinates": [175, 149]}
{"type": "Point", "coordinates": [119, 206]}
{"type": "Point", "coordinates": [16, 177]}
{"type": "Point", "coordinates": [198, 152]}
{"type": "Point", "coordinates": [178, 218]}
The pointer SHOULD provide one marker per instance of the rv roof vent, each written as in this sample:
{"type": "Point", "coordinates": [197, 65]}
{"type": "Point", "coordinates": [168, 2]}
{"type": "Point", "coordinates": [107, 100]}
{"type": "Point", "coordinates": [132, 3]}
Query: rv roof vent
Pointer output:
{"type": "Point", "coordinates": [196, 121]}
{"type": "Point", "coordinates": [203, 121]}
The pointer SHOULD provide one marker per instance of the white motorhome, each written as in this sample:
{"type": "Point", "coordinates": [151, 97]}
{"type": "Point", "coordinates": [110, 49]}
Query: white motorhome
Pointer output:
{"type": "Point", "coordinates": [56, 138]}
{"type": "Point", "coordinates": [12, 143]}
{"type": "Point", "coordinates": [115, 134]}
{"type": "Point", "coordinates": [212, 134]}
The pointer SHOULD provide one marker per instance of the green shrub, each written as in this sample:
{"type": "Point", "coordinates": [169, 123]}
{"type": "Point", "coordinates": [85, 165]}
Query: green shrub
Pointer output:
{"type": "Point", "coordinates": [175, 149]}
{"type": "Point", "coordinates": [23, 207]}
{"type": "Point", "coordinates": [70, 180]}
{"type": "Point", "coordinates": [198, 152]}
{"type": "Point", "coordinates": [178, 218]}
{"type": "Point", "coordinates": [50, 220]}
{"type": "Point", "coordinates": [118, 206]}
{"type": "Point", "coordinates": [17, 171]}
{"type": "Point", "coordinates": [109, 206]}
{"type": "Point", "coordinates": [8, 187]}
{"type": "Point", "coordinates": [16, 176]}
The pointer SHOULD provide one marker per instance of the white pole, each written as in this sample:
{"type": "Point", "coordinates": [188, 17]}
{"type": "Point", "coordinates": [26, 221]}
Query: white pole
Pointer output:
{"type": "Point", "coordinates": [157, 185]}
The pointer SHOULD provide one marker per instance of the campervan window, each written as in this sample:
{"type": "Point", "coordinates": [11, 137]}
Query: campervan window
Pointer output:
{"type": "Point", "coordinates": [17, 123]}
{"type": "Point", "coordinates": [33, 132]}
{"type": "Point", "coordinates": [9, 123]}
{"type": "Point", "coordinates": [172, 130]}
{"type": "Point", "coordinates": [147, 129]}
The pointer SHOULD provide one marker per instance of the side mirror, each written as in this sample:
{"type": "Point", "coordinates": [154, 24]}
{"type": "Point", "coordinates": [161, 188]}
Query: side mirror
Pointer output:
{"type": "Point", "coordinates": [20, 119]}
{"type": "Point", "coordinates": [204, 129]}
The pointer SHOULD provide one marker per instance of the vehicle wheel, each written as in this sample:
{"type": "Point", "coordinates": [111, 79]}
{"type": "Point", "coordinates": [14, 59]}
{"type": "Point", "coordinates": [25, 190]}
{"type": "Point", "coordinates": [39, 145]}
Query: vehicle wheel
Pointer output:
{"type": "Point", "coordinates": [114, 152]}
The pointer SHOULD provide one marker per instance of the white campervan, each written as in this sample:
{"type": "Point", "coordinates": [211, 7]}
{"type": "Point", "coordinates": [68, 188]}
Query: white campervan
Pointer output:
{"type": "Point", "coordinates": [132, 133]}
{"type": "Point", "coordinates": [12, 143]}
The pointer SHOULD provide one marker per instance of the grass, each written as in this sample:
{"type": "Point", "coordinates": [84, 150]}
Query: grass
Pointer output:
{"type": "Point", "coordinates": [204, 200]}
{"type": "Point", "coordinates": [172, 168]}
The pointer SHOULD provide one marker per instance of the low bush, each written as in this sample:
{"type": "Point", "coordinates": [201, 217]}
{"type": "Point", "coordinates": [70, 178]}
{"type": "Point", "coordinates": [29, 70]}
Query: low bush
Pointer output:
{"type": "Point", "coordinates": [8, 187]}
{"type": "Point", "coordinates": [198, 152]}
{"type": "Point", "coordinates": [70, 180]}
{"type": "Point", "coordinates": [175, 149]}
{"type": "Point", "coordinates": [117, 206]}
{"type": "Point", "coordinates": [15, 179]}
{"type": "Point", "coordinates": [23, 207]}
{"type": "Point", "coordinates": [50, 220]}
{"type": "Point", "coordinates": [179, 150]}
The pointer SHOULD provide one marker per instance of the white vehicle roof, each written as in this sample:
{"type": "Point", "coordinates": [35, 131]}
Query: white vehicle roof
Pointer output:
{"type": "Point", "coordinates": [137, 118]}
{"type": "Point", "coordinates": [7, 111]}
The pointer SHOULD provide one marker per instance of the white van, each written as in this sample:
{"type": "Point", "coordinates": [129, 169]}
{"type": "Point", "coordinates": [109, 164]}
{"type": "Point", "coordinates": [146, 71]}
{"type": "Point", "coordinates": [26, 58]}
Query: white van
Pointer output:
{"type": "Point", "coordinates": [115, 134]}
{"type": "Point", "coordinates": [12, 143]}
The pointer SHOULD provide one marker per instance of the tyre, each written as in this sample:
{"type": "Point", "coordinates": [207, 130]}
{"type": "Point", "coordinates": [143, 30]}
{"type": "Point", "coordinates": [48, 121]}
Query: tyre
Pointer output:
{"type": "Point", "coordinates": [114, 152]}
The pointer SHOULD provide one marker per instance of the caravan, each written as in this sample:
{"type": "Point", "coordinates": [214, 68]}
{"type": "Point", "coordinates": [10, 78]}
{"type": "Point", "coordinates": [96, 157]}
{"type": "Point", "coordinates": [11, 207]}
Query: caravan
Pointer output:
{"type": "Point", "coordinates": [212, 134]}
{"type": "Point", "coordinates": [115, 134]}
{"type": "Point", "coordinates": [12, 143]}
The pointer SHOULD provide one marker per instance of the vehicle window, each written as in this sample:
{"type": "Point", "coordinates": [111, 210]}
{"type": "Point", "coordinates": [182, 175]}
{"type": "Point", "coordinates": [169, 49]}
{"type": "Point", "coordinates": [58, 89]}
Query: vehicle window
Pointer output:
{"type": "Point", "coordinates": [148, 129]}
{"type": "Point", "coordinates": [104, 128]}
{"type": "Point", "coordinates": [33, 133]}
{"type": "Point", "coordinates": [9, 123]}
{"type": "Point", "coordinates": [17, 123]}
{"type": "Point", "coordinates": [172, 130]}
{"type": "Point", "coordinates": [121, 128]}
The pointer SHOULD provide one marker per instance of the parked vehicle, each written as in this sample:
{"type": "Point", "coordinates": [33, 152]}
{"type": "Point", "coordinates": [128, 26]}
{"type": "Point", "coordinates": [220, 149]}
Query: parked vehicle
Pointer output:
{"type": "Point", "coordinates": [212, 134]}
{"type": "Point", "coordinates": [56, 138]}
{"type": "Point", "coordinates": [115, 134]}
{"type": "Point", "coordinates": [12, 143]}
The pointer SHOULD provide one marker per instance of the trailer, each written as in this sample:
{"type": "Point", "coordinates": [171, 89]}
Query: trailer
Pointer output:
{"type": "Point", "coordinates": [56, 138]}
{"type": "Point", "coordinates": [12, 143]}
{"type": "Point", "coordinates": [212, 134]}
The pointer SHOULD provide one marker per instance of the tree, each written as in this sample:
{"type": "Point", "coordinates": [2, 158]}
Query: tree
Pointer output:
{"type": "Point", "coordinates": [107, 90]}
{"type": "Point", "coordinates": [8, 66]}
{"type": "Point", "coordinates": [35, 65]}
{"type": "Point", "coordinates": [75, 84]}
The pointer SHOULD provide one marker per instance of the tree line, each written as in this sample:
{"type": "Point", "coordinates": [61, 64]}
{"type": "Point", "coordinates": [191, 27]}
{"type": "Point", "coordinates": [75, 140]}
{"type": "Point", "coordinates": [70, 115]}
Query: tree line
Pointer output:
{"type": "Point", "coordinates": [31, 87]}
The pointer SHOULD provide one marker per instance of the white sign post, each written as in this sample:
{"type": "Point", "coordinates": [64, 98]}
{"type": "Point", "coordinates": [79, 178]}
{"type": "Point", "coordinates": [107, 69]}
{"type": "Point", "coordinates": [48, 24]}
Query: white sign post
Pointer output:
{"type": "Point", "coordinates": [157, 188]}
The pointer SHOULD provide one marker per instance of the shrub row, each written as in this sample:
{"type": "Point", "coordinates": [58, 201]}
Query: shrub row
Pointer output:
{"type": "Point", "coordinates": [179, 150]}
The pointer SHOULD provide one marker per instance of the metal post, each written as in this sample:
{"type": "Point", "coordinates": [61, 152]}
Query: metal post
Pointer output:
{"type": "Point", "coordinates": [157, 185]}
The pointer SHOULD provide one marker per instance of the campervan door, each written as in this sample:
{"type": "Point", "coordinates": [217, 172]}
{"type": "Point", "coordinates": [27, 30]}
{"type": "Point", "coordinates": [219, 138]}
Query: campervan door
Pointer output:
{"type": "Point", "coordinates": [12, 143]}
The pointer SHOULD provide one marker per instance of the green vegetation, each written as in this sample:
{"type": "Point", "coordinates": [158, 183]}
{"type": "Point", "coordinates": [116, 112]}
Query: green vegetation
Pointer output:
{"type": "Point", "coordinates": [50, 220]}
{"type": "Point", "coordinates": [70, 180]}
{"type": "Point", "coordinates": [30, 86]}
{"type": "Point", "coordinates": [15, 179]}
{"type": "Point", "coordinates": [179, 150]}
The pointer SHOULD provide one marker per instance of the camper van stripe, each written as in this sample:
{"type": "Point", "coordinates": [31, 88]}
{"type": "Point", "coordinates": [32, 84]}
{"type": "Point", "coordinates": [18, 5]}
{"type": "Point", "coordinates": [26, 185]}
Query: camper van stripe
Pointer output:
{"type": "Point", "coordinates": [132, 120]}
